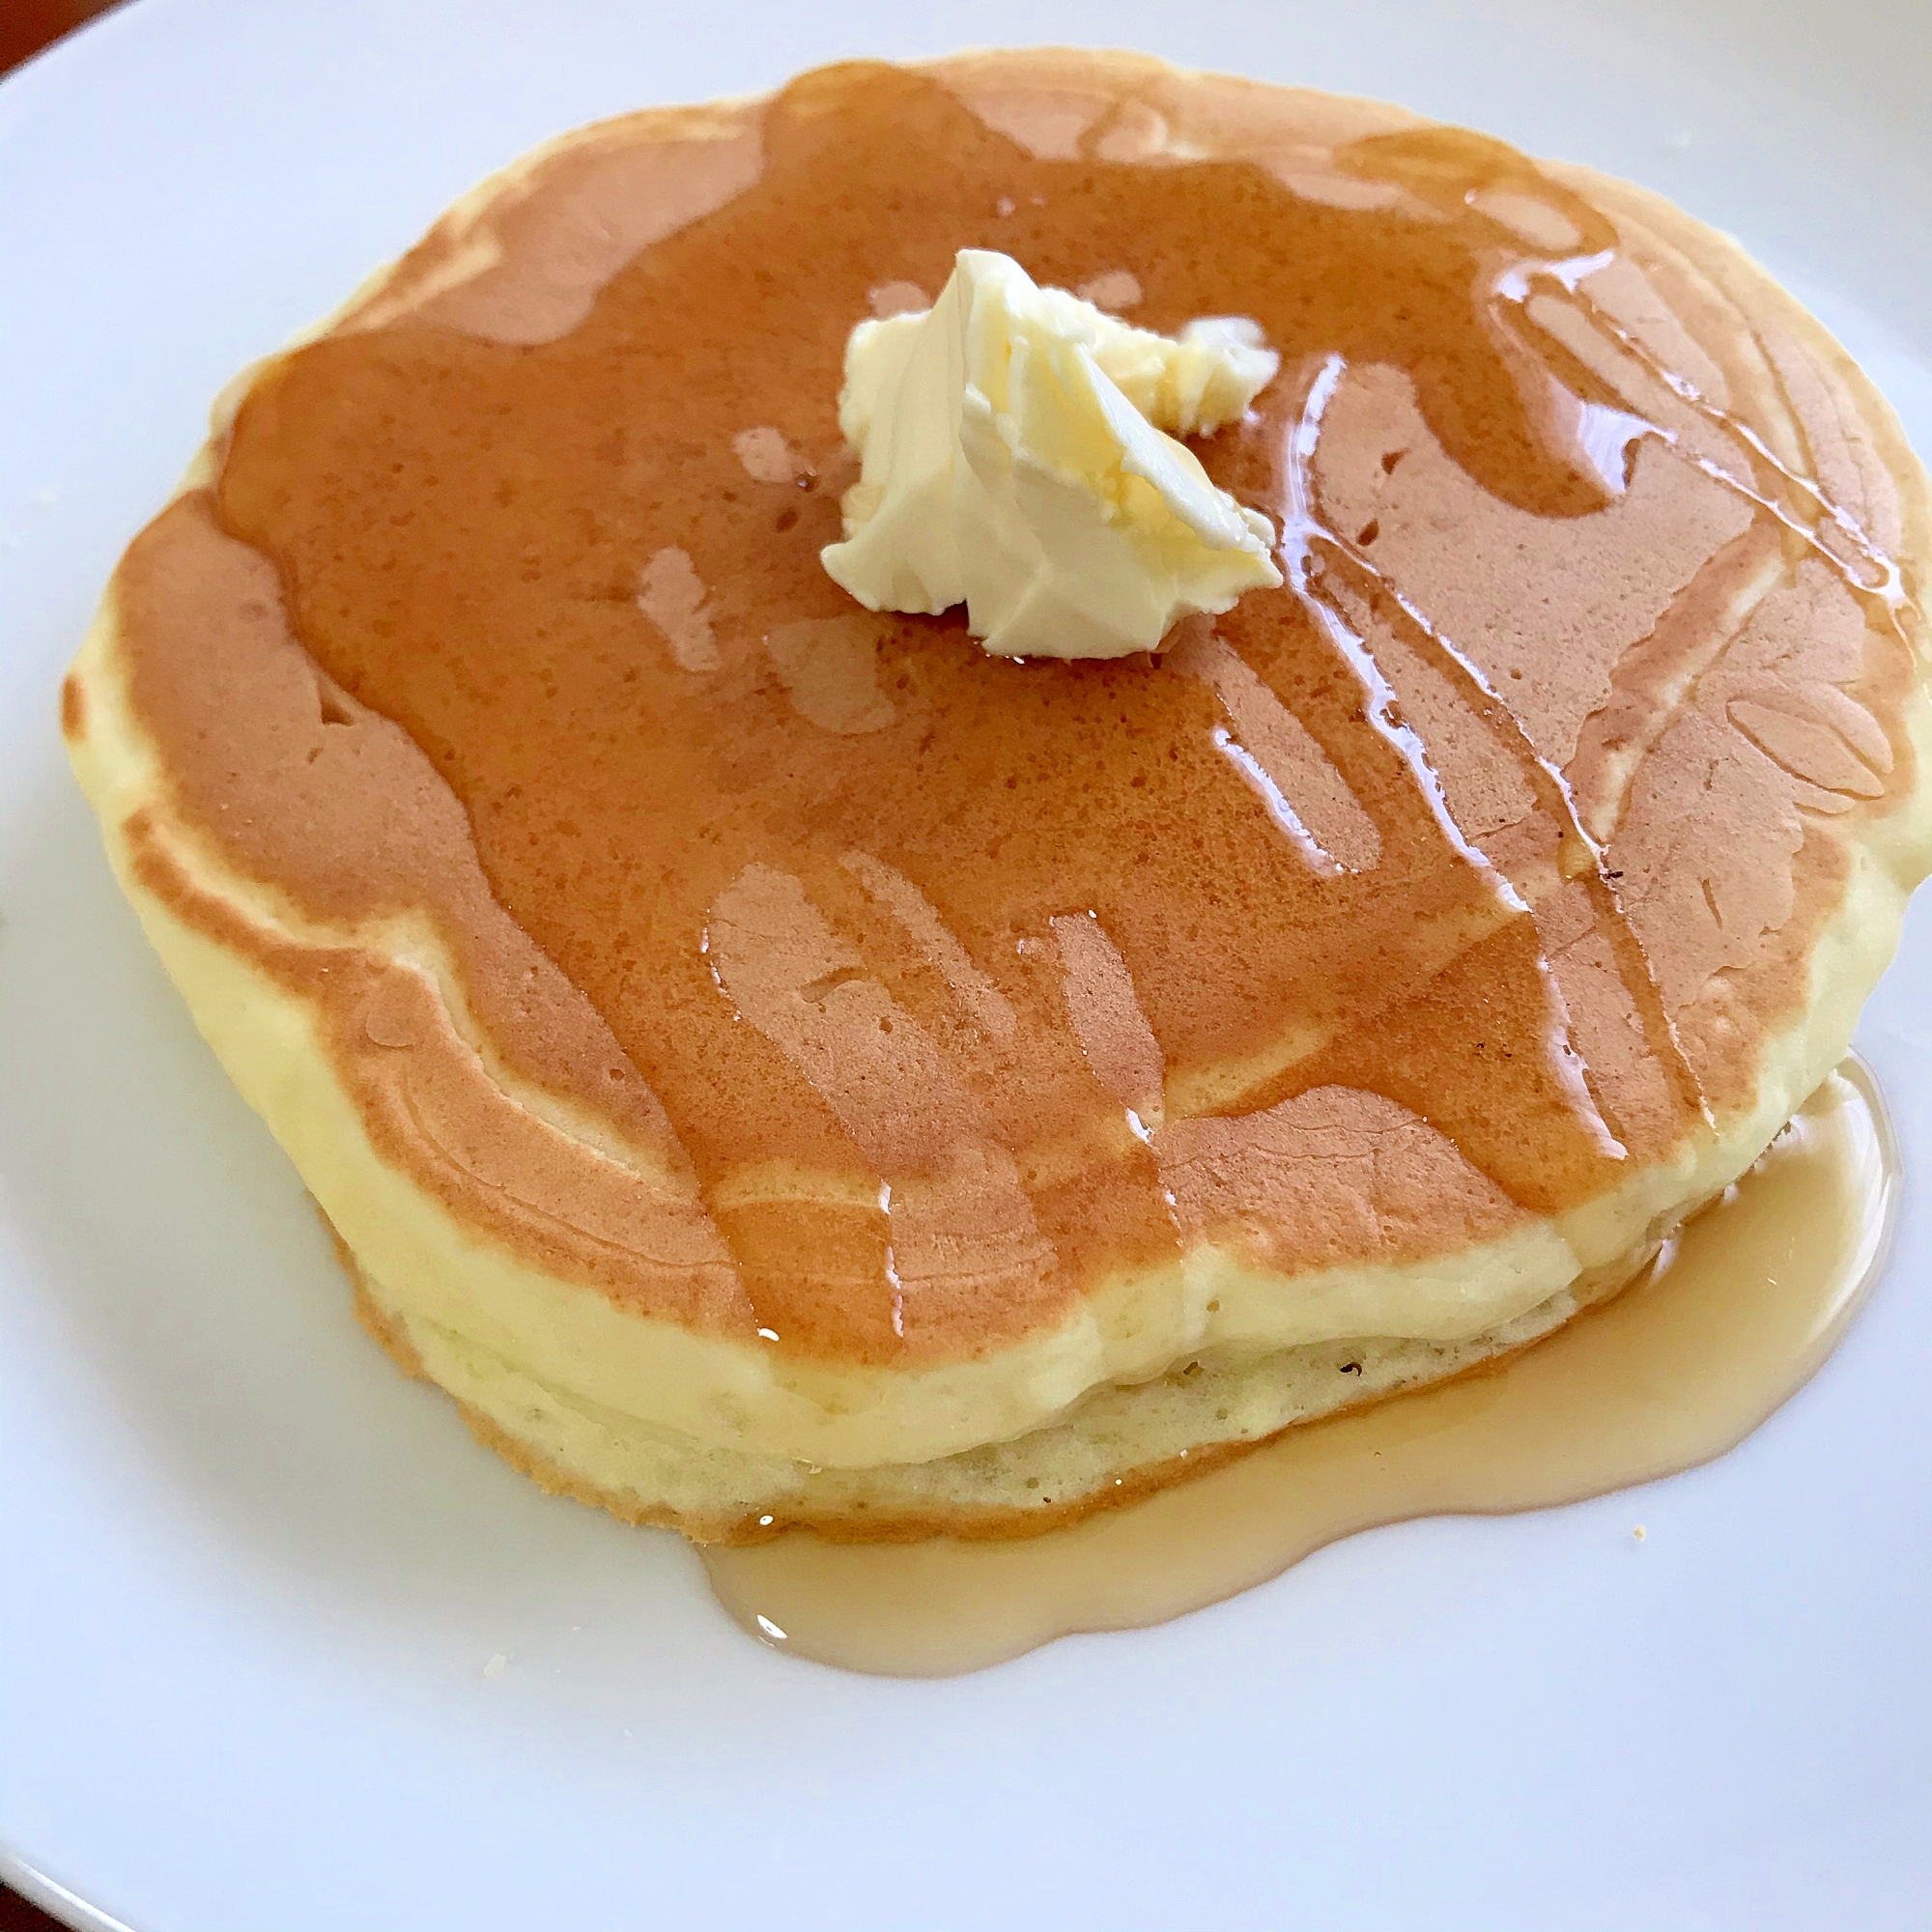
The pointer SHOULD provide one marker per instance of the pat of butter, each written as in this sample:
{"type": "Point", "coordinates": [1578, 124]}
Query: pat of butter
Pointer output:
{"type": "Point", "coordinates": [1014, 457]}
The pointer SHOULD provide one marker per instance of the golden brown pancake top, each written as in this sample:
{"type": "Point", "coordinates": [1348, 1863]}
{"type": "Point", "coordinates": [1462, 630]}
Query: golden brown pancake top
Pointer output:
{"type": "Point", "coordinates": [1437, 888]}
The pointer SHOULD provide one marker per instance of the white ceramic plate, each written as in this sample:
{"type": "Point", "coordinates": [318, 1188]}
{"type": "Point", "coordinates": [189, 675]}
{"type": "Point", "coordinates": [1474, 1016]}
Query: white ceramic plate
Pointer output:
{"type": "Point", "coordinates": [249, 1579]}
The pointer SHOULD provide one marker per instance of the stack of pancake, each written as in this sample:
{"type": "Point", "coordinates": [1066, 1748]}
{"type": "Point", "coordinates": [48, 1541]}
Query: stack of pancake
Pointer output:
{"type": "Point", "coordinates": [773, 1063]}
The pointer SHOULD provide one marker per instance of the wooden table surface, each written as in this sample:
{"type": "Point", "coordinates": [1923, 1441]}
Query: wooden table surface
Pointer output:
{"type": "Point", "coordinates": [18, 1916]}
{"type": "Point", "coordinates": [26, 26]}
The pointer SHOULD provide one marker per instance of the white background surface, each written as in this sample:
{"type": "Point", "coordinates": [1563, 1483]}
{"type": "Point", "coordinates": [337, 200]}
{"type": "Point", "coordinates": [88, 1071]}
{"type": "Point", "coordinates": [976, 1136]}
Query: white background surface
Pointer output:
{"type": "Point", "coordinates": [249, 1579]}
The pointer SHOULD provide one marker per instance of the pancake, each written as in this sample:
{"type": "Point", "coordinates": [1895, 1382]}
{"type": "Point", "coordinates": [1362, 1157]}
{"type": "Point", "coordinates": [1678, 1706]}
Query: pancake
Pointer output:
{"type": "Point", "coordinates": [774, 1063]}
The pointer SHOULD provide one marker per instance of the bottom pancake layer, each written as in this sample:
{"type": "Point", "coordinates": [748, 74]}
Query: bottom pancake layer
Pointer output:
{"type": "Point", "coordinates": [1117, 1445]}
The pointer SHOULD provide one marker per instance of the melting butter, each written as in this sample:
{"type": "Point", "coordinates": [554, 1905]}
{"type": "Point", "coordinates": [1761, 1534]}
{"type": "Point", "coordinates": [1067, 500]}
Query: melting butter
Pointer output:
{"type": "Point", "coordinates": [1732, 1318]}
{"type": "Point", "coordinates": [1016, 457]}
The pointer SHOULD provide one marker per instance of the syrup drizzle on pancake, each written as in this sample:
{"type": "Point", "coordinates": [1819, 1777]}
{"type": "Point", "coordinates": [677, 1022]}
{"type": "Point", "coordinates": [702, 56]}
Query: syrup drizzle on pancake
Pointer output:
{"type": "Point", "coordinates": [815, 868]}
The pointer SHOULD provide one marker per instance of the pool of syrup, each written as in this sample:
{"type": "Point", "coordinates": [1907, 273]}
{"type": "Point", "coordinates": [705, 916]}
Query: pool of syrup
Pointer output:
{"type": "Point", "coordinates": [1734, 1316]}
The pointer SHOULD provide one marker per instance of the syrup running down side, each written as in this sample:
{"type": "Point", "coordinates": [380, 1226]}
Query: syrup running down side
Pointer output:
{"type": "Point", "coordinates": [1731, 1319]}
